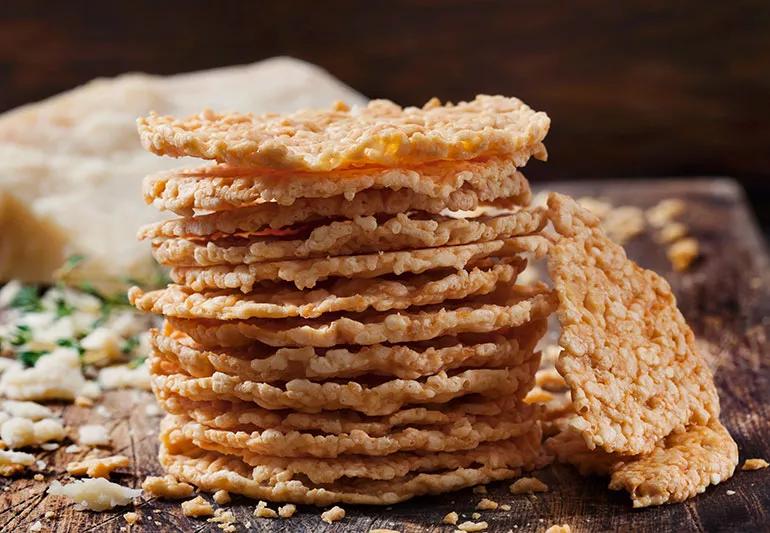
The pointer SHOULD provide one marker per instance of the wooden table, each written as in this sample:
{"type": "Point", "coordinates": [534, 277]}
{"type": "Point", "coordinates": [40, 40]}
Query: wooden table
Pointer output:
{"type": "Point", "coordinates": [724, 296]}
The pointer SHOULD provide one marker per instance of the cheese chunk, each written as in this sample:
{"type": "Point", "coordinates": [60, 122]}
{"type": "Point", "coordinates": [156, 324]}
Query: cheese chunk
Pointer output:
{"type": "Point", "coordinates": [96, 494]}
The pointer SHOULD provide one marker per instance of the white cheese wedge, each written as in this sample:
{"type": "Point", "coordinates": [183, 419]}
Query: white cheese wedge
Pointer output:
{"type": "Point", "coordinates": [71, 166]}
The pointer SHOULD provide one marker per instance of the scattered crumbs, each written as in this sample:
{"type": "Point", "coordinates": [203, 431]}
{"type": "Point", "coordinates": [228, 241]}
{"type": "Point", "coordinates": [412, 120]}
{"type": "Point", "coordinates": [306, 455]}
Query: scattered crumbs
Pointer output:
{"type": "Point", "coordinates": [131, 518]}
{"type": "Point", "coordinates": [287, 511]}
{"type": "Point", "coordinates": [36, 527]}
{"type": "Point", "coordinates": [754, 464]}
{"type": "Point", "coordinates": [38, 477]}
{"type": "Point", "coordinates": [487, 505]}
{"type": "Point", "coordinates": [673, 231]}
{"type": "Point", "coordinates": [730, 492]}
{"type": "Point", "coordinates": [263, 511]}
{"type": "Point", "coordinates": [559, 529]}
{"type": "Point", "coordinates": [222, 497]}
{"type": "Point", "coordinates": [225, 519]}
{"type": "Point", "coordinates": [93, 435]}
{"type": "Point", "coordinates": [335, 514]}
{"type": "Point", "coordinates": [50, 446]}
{"type": "Point", "coordinates": [664, 212]}
{"type": "Point", "coordinates": [84, 401]}
{"type": "Point", "coordinates": [72, 448]}
{"type": "Point", "coordinates": [472, 526]}
{"type": "Point", "coordinates": [505, 507]}
{"type": "Point", "coordinates": [450, 518]}
{"type": "Point", "coordinates": [383, 530]}
{"type": "Point", "coordinates": [682, 253]}
{"type": "Point", "coordinates": [528, 485]}
{"type": "Point", "coordinates": [476, 516]}
{"type": "Point", "coordinates": [167, 487]}
{"type": "Point", "coordinates": [197, 507]}
{"type": "Point", "coordinates": [97, 466]}
{"type": "Point", "coordinates": [49, 514]}
{"type": "Point", "coordinates": [480, 489]}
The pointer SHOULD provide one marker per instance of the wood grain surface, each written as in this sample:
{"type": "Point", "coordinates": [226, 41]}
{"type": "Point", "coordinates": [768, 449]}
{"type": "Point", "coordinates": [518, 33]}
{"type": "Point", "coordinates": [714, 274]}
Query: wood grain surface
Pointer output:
{"type": "Point", "coordinates": [724, 296]}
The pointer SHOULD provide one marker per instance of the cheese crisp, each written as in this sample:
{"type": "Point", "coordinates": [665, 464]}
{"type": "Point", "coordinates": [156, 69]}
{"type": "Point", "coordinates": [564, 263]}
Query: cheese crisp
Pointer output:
{"type": "Point", "coordinates": [381, 133]}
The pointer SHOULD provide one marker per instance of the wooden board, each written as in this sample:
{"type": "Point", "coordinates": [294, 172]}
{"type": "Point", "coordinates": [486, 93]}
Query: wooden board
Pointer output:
{"type": "Point", "coordinates": [724, 296]}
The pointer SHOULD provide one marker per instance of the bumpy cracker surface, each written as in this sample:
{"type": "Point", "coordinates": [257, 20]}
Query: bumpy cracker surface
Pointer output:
{"type": "Point", "coordinates": [381, 133]}
{"type": "Point", "coordinates": [629, 357]}
{"type": "Point", "coordinates": [230, 186]}
{"type": "Point", "coordinates": [306, 273]}
{"type": "Point", "coordinates": [369, 327]}
{"type": "Point", "coordinates": [460, 434]}
{"type": "Point", "coordinates": [406, 361]}
{"type": "Point", "coordinates": [212, 471]}
{"type": "Point", "coordinates": [375, 399]}
{"type": "Point", "coordinates": [346, 237]}
{"type": "Point", "coordinates": [352, 295]}
{"type": "Point", "coordinates": [240, 415]}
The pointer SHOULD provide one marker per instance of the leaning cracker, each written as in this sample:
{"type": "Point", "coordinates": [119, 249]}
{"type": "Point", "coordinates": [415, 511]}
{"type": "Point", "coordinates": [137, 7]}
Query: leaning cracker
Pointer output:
{"type": "Point", "coordinates": [306, 273]}
{"type": "Point", "coordinates": [350, 295]}
{"type": "Point", "coordinates": [629, 358]}
{"type": "Point", "coordinates": [461, 434]}
{"type": "Point", "coordinates": [237, 414]}
{"type": "Point", "coordinates": [212, 471]}
{"type": "Point", "coordinates": [405, 361]}
{"type": "Point", "coordinates": [377, 399]}
{"type": "Point", "coordinates": [380, 134]}
{"type": "Point", "coordinates": [234, 187]}
{"type": "Point", "coordinates": [680, 467]}
{"type": "Point", "coordinates": [370, 328]}
{"type": "Point", "coordinates": [346, 237]}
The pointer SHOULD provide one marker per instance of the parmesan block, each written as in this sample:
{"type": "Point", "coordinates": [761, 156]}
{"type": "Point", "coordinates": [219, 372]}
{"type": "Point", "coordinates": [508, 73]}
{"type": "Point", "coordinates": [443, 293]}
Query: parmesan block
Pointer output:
{"type": "Point", "coordinates": [96, 494]}
{"type": "Point", "coordinates": [65, 161]}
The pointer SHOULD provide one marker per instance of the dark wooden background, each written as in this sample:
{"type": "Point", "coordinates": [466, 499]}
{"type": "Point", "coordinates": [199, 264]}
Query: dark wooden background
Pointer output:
{"type": "Point", "coordinates": [634, 88]}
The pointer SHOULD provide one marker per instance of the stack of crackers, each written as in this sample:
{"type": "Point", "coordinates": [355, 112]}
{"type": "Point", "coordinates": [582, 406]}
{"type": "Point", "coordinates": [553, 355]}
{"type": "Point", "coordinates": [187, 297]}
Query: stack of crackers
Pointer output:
{"type": "Point", "coordinates": [345, 323]}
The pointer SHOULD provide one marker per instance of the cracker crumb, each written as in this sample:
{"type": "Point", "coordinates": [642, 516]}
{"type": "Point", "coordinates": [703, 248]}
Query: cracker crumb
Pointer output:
{"type": "Point", "coordinates": [664, 212]}
{"type": "Point", "coordinates": [38, 477]}
{"type": "Point", "coordinates": [49, 514]}
{"type": "Point", "coordinates": [287, 511]}
{"type": "Point", "coordinates": [93, 435]}
{"type": "Point", "coordinates": [487, 505]}
{"type": "Point", "coordinates": [383, 530]}
{"type": "Point", "coordinates": [167, 487]}
{"type": "Point", "coordinates": [450, 518]}
{"type": "Point", "coordinates": [263, 511]}
{"type": "Point", "coordinates": [528, 485]}
{"type": "Point", "coordinates": [97, 466]}
{"type": "Point", "coordinates": [335, 514]}
{"type": "Point", "coordinates": [682, 253]}
{"type": "Point", "coordinates": [505, 507]}
{"type": "Point", "coordinates": [476, 516]}
{"type": "Point", "coordinates": [197, 507]}
{"type": "Point", "coordinates": [673, 231]}
{"type": "Point", "coordinates": [222, 497]}
{"type": "Point", "coordinates": [754, 464]}
{"type": "Point", "coordinates": [131, 518]}
{"type": "Point", "coordinates": [83, 401]}
{"type": "Point", "coordinates": [224, 519]}
{"type": "Point", "coordinates": [559, 529]}
{"type": "Point", "coordinates": [480, 489]}
{"type": "Point", "coordinates": [469, 526]}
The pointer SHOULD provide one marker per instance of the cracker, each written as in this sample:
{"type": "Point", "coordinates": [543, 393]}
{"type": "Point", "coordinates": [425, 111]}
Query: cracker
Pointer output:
{"type": "Point", "coordinates": [481, 315]}
{"type": "Point", "coordinates": [346, 237]}
{"type": "Point", "coordinates": [246, 416]}
{"type": "Point", "coordinates": [680, 467]}
{"type": "Point", "coordinates": [232, 187]}
{"type": "Point", "coordinates": [212, 471]}
{"type": "Point", "coordinates": [461, 434]}
{"type": "Point", "coordinates": [323, 470]}
{"type": "Point", "coordinates": [410, 361]}
{"type": "Point", "coordinates": [381, 133]}
{"type": "Point", "coordinates": [377, 399]}
{"type": "Point", "coordinates": [352, 295]}
{"type": "Point", "coordinates": [306, 273]}
{"type": "Point", "coordinates": [629, 358]}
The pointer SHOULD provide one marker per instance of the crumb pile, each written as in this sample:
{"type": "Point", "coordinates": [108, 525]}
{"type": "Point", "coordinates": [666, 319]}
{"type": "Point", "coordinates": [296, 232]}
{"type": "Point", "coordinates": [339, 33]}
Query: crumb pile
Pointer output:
{"type": "Point", "coordinates": [344, 322]}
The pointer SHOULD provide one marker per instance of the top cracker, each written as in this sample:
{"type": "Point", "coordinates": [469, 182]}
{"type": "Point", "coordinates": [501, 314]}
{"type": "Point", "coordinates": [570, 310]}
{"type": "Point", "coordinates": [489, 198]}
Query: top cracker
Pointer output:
{"type": "Point", "coordinates": [382, 134]}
